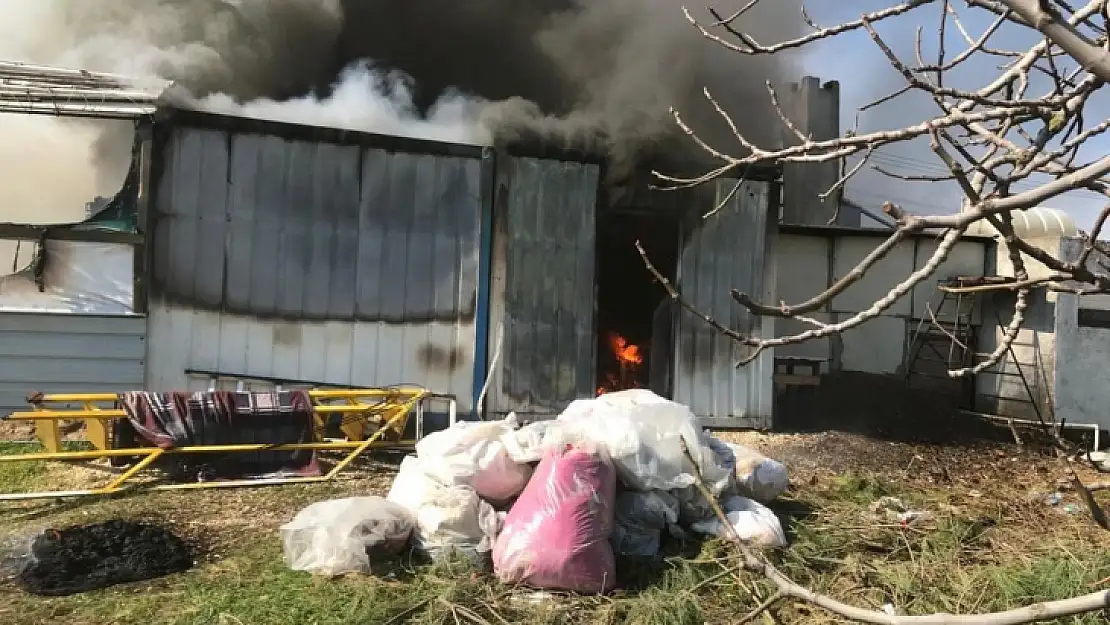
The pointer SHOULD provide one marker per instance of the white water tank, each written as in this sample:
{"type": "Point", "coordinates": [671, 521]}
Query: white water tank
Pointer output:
{"type": "Point", "coordinates": [1040, 227]}
{"type": "Point", "coordinates": [1034, 223]}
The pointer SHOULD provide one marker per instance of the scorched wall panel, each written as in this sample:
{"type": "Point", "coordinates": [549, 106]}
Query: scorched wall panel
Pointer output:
{"type": "Point", "coordinates": [297, 259]}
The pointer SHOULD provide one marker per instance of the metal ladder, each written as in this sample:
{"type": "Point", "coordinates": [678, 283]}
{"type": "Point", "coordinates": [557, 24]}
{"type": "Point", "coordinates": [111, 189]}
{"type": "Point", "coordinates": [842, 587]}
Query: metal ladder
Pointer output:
{"type": "Point", "coordinates": [948, 341]}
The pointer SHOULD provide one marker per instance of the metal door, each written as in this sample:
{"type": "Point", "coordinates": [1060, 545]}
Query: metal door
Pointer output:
{"type": "Point", "coordinates": [542, 287]}
{"type": "Point", "coordinates": [723, 251]}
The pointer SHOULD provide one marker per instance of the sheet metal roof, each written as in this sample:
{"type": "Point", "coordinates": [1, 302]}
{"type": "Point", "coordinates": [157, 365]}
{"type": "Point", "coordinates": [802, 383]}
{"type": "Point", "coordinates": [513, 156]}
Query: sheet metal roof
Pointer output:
{"type": "Point", "coordinates": [40, 90]}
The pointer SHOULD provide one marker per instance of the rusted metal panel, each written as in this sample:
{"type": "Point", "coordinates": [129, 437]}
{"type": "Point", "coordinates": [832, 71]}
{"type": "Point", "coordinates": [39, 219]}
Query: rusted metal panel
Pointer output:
{"type": "Point", "coordinates": [340, 263]}
{"type": "Point", "coordinates": [543, 285]}
{"type": "Point", "coordinates": [727, 250]}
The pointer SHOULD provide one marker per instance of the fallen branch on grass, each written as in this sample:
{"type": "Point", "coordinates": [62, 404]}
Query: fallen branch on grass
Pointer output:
{"type": "Point", "coordinates": [755, 562]}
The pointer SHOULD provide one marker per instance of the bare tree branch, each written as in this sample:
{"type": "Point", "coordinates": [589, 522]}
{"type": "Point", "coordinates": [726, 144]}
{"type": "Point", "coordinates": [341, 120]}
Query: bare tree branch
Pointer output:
{"type": "Point", "coordinates": [1005, 139]}
{"type": "Point", "coordinates": [1040, 15]}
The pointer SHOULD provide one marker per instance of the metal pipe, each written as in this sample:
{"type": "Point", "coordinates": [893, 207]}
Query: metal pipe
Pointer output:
{"type": "Point", "coordinates": [117, 485]}
{"type": "Point", "coordinates": [1080, 426]}
{"type": "Point", "coordinates": [62, 415]}
{"type": "Point", "coordinates": [59, 108]}
{"type": "Point", "coordinates": [315, 394]}
{"type": "Point", "coordinates": [98, 454]}
{"type": "Point", "coordinates": [30, 69]}
{"type": "Point", "coordinates": [161, 487]}
{"type": "Point", "coordinates": [54, 415]}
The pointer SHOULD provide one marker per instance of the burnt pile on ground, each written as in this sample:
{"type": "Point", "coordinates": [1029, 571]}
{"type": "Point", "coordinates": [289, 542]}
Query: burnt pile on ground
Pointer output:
{"type": "Point", "coordinates": [90, 557]}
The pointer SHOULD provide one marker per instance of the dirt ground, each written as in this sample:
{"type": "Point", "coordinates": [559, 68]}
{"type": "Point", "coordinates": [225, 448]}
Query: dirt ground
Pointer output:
{"type": "Point", "coordinates": [977, 474]}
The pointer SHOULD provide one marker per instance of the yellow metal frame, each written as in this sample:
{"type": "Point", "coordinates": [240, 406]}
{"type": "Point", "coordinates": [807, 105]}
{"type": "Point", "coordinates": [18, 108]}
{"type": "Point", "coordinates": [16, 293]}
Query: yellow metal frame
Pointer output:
{"type": "Point", "coordinates": [387, 414]}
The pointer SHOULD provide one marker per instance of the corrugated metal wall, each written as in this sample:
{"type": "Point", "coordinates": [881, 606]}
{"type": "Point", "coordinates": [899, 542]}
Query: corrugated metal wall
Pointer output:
{"type": "Point", "coordinates": [68, 353]}
{"type": "Point", "coordinates": [543, 285]}
{"type": "Point", "coordinates": [303, 259]}
{"type": "Point", "coordinates": [724, 251]}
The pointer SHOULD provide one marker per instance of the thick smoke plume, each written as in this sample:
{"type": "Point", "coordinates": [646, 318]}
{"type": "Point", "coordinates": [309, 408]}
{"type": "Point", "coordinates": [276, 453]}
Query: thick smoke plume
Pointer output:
{"type": "Point", "coordinates": [587, 74]}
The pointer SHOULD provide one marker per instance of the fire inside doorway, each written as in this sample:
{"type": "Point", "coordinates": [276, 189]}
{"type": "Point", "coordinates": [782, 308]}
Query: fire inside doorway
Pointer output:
{"type": "Point", "coordinates": [632, 334]}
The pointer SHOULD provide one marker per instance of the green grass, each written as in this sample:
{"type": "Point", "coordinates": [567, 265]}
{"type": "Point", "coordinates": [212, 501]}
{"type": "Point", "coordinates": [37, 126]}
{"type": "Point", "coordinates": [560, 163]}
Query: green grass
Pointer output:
{"type": "Point", "coordinates": [15, 476]}
{"type": "Point", "coordinates": [967, 559]}
{"type": "Point", "coordinates": [956, 564]}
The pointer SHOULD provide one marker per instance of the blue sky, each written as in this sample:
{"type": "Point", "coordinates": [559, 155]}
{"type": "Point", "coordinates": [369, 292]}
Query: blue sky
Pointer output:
{"type": "Point", "coordinates": [864, 74]}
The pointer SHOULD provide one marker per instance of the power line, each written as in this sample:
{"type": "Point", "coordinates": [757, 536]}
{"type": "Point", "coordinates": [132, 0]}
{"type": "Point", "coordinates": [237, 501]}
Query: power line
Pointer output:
{"type": "Point", "coordinates": [929, 169]}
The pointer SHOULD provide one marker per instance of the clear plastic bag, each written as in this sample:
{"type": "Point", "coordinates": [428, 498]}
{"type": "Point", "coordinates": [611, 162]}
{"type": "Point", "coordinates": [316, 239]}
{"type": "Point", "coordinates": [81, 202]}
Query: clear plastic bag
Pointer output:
{"type": "Point", "coordinates": [752, 521]}
{"type": "Point", "coordinates": [643, 433]}
{"type": "Point", "coordinates": [640, 521]}
{"type": "Point", "coordinates": [527, 444]}
{"type": "Point", "coordinates": [448, 519]}
{"type": "Point", "coordinates": [341, 535]}
{"type": "Point", "coordinates": [473, 454]}
{"type": "Point", "coordinates": [758, 477]}
{"type": "Point", "coordinates": [556, 535]}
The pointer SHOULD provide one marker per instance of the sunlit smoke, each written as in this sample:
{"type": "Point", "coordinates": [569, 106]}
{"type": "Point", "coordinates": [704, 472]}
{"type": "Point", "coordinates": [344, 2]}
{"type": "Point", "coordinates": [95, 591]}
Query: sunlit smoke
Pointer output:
{"type": "Point", "coordinates": [391, 110]}
{"type": "Point", "coordinates": [598, 75]}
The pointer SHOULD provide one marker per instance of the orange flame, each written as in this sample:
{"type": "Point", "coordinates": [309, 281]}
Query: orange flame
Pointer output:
{"type": "Point", "coordinates": [626, 353]}
{"type": "Point", "coordinates": [629, 358]}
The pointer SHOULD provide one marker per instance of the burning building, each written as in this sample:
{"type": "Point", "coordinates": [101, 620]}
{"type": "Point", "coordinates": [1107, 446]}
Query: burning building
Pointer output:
{"type": "Point", "coordinates": [274, 252]}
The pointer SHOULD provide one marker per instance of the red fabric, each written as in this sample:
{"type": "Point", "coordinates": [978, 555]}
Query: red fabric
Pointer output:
{"type": "Point", "coordinates": [556, 535]}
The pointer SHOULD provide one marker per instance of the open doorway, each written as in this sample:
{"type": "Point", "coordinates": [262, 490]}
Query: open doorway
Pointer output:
{"type": "Point", "coordinates": [633, 312]}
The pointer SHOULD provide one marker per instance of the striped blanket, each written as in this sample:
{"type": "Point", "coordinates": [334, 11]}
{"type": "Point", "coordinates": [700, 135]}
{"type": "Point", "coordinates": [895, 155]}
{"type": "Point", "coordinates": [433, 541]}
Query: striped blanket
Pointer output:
{"type": "Point", "coordinates": [182, 419]}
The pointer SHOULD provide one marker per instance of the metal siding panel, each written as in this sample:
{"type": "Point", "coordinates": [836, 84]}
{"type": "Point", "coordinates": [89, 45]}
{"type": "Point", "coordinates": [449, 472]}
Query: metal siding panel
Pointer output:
{"type": "Point", "coordinates": [92, 324]}
{"type": "Point", "coordinates": [420, 275]}
{"type": "Point", "coordinates": [179, 212]}
{"type": "Point", "coordinates": [267, 223]}
{"type": "Point", "coordinates": [30, 344]}
{"type": "Point", "coordinates": [373, 209]}
{"type": "Point", "coordinates": [345, 249]}
{"type": "Point", "coordinates": [321, 235]}
{"type": "Point", "coordinates": [245, 176]}
{"type": "Point", "coordinates": [296, 215]}
{"type": "Point", "coordinates": [722, 252]}
{"type": "Point", "coordinates": [397, 221]}
{"type": "Point", "coordinates": [583, 268]}
{"type": "Point", "coordinates": [68, 354]}
{"type": "Point", "coordinates": [547, 353]}
{"type": "Point", "coordinates": [212, 219]}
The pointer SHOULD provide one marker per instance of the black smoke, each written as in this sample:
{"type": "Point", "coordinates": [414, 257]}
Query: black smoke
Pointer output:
{"type": "Point", "coordinates": [596, 75]}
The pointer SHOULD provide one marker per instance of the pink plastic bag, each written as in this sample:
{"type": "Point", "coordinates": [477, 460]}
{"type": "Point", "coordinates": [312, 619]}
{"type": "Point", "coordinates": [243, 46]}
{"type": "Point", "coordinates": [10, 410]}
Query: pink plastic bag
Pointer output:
{"type": "Point", "coordinates": [556, 535]}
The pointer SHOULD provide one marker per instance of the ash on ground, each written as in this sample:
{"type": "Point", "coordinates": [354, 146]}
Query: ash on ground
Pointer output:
{"type": "Point", "coordinates": [90, 557]}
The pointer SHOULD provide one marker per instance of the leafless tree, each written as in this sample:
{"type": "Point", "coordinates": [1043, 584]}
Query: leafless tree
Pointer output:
{"type": "Point", "coordinates": [1008, 148]}
{"type": "Point", "coordinates": [992, 141]}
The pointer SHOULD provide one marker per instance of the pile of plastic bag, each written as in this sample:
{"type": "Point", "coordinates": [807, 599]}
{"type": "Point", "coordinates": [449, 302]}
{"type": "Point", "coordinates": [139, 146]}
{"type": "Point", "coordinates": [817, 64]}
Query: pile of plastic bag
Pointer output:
{"type": "Point", "coordinates": [550, 503]}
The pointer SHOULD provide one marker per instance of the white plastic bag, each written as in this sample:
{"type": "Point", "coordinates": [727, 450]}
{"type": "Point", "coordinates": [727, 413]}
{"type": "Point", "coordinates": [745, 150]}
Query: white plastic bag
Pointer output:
{"type": "Point", "coordinates": [643, 434]}
{"type": "Point", "coordinates": [527, 444]}
{"type": "Point", "coordinates": [641, 519]}
{"type": "Point", "coordinates": [758, 476]}
{"type": "Point", "coordinates": [339, 536]}
{"type": "Point", "coordinates": [752, 521]}
{"type": "Point", "coordinates": [447, 518]}
{"type": "Point", "coordinates": [473, 454]}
